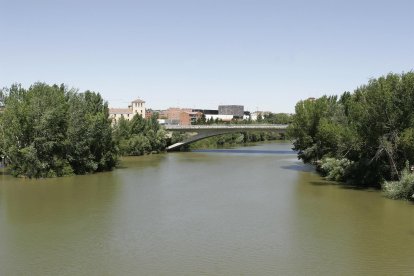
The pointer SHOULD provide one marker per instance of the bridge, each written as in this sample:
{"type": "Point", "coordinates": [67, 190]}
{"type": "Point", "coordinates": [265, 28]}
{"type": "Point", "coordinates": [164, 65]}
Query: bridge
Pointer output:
{"type": "Point", "coordinates": [204, 131]}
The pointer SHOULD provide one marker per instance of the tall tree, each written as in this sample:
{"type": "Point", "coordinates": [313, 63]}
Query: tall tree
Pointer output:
{"type": "Point", "coordinates": [52, 131]}
{"type": "Point", "coordinates": [372, 128]}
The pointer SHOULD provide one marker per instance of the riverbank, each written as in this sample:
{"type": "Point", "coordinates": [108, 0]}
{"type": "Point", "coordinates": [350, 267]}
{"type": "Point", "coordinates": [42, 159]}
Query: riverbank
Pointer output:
{"type": "Point", "coordinates": [365, 137]}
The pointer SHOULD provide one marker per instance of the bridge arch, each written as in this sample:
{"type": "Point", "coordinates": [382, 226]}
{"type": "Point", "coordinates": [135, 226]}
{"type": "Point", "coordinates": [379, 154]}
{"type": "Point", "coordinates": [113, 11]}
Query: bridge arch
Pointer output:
{"type": "Point", "coordinates": [206, 131]}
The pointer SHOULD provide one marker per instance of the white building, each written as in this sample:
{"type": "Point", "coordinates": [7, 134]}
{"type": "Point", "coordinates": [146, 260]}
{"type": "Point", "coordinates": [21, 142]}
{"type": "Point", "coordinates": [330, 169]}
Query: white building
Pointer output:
{"type": "Point", "coordinates": [224, 118]}
{"type": "Point", "coordinates": [136, 107]}
{"type": "Point", "coordinates": [256, 114]}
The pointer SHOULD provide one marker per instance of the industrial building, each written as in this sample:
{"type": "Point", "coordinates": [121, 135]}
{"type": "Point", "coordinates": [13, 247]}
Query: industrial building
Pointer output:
{"type": "Point", "coordinates": [236, 110]}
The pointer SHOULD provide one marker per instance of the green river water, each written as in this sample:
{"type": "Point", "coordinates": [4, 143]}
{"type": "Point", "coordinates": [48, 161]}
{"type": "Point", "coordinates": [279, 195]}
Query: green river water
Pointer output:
{"type": "Point", "coordinates": [247, 211]}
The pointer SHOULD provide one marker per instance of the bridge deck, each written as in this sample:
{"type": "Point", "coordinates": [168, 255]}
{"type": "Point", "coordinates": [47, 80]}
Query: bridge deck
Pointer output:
{"type": "Point", "coordinates": [205, 131]}
{"type": "Point", "coordinates": [223, 127]}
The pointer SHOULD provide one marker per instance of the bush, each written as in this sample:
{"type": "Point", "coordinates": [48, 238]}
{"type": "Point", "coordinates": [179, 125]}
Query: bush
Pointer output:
{"type": "Point", "coordinates": [335, 169]}
{"type": "Point", "coordinates": [402, 189]}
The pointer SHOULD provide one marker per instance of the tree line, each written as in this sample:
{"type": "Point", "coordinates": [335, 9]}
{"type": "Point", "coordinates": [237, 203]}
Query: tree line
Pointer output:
{"type": "Point", "coordinates": [139, 136]}
{"type": "Point", "coordinates": [50, 130]}
{"type": "Point", "coordinates": [365, 138]}
{"type": "Point", "coordinates": [266, 118]}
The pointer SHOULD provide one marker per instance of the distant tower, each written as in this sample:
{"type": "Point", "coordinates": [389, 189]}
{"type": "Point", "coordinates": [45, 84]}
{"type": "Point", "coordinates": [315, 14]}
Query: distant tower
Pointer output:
{"type": "Point", "coordinates": [138, 107]}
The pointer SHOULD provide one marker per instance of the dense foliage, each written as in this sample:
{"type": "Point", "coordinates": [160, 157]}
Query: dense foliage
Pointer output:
{"type": "Point", "coordinates": [2, 98]}
{"type": "Point", "coordinates": [369, 132]}
{"type": "Point", "coordinates": [275, 118]}
{"type": "Point", "coordinates": [401, 189]}
{"type": "Point", "coordinates": [51, 131]}
{"type": "Point", "coordinates": [267, 118]}
{"type": "Point", "coordinates": [139, 136]}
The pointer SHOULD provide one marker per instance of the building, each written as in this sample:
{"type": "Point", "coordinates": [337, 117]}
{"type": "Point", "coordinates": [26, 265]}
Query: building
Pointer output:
{"type": "Point", "coordinates": [256, 114]}
{"type": "Point", "coordinates": [179, 116]}
{"type": "Point", "coordinates": [236, 110]}
{"type": "Point", "coordinates": [247, 115]}
{"type": "Point", "coordinates": [136, 107]}
{"type": "Point", "coordinates": [117, 113]}
{"type": "Point", "coordinates": [207, 111]}
{"type": "Point", "coordinates": [149, 113]}
{"type": "Point", "coordinates": [173, 113]}
{"type": "Point", "coordinates": [224, 118]}
{"type": "Point", "coordinates": [188, 118]}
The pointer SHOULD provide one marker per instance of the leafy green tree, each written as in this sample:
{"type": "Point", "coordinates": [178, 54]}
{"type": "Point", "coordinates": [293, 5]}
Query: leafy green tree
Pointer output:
{"type": "Point", "coordinates": [371, 130]}
{"type": "Point", "coordinates": [259, 118]}
{"type": "Point", "coordinates": [51, 131]}
{"type": "Point", "coordinates": [2, 98]}
{"type": "Point", "coordinates": [277, 118]}
{"type": "Point", "coordinates": [121, 130]}
{"type": "Point", "coordinates": [2, 141]}
{"type": "Point", "coordinates": [139, 136]}
{"type": "Point", "coordinates": [88, 118]}
{"type": "Point", "coordinates": [35, 124]}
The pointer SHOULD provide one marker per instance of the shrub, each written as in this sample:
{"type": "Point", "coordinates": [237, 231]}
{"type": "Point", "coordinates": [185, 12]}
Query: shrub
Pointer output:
{"type": "Point", "coordinates": [335, 169]}
{"type": "Point", "coordinates": [402, 189]}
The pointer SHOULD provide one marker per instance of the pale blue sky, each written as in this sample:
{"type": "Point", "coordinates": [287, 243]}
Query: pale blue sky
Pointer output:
{"type": "Point", "coordinates": [265, 55]}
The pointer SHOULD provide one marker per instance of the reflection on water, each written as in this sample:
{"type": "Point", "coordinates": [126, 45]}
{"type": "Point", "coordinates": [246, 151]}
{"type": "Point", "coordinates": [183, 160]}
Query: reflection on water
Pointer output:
{"type": "Point", "coordinates": [299, 167]}
{"type": "Point", "coordinates": [247, 211]}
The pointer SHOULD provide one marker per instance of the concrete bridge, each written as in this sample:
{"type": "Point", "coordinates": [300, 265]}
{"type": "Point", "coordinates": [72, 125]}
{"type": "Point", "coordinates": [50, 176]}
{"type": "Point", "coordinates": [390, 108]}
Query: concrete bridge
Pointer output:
{"type": "Point", "coordinates": [204, 131]}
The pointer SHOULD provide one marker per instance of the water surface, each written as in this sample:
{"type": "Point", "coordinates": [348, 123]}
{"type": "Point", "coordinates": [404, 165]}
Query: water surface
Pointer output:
{"type": "Point", "coordinates": [247, 211]}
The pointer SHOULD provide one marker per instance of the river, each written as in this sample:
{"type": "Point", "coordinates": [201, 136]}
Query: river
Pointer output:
{"type": "Point", "coordinates": [247, 211]}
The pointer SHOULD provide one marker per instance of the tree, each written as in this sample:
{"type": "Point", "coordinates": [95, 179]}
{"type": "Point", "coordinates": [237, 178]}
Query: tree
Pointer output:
{"type": "Point", "coordinates": [35, 124]}
{"type": "Point", "coordinates": [88, 118]}
{"type": "Point", "coordinates": [139, 136]}
{"type": "Point", "coordinates": [370, 130]}
{"type": "Point", "coordinates": [52, 131]}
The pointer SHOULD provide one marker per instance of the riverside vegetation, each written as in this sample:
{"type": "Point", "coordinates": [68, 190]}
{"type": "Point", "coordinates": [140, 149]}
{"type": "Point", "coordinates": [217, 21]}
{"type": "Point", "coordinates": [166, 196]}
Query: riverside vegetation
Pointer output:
{"type": "Point", "coordinates": [139, 136]}
{"type": "Point", "coordinates": [50, 130]}
{"type": "Point", "coordinates": [365, 138]}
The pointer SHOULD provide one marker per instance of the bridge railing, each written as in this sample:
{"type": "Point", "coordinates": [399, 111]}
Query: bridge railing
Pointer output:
{"type": "Point", "coordinates": [264, 126]}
